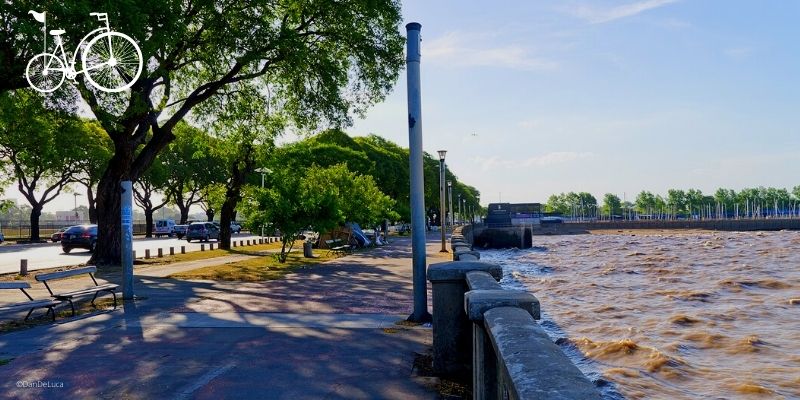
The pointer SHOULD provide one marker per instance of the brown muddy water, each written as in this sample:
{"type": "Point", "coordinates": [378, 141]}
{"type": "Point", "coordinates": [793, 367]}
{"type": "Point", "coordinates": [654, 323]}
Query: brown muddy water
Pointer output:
{"type": "Point", "coordinates": [671, 315]}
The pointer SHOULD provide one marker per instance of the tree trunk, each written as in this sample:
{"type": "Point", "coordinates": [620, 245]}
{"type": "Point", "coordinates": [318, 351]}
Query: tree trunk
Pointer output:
{"type": "Point", "coordinates": [148, 219]}
{"type": "Point", "coordinates": [92, 204]}
{"type": "Point", "coordinates": [36, 212]}
{"type": "Point", "coordinates": [233, 196]}
{"type": "Point", "coordinates": [184, 211]}
{"type": "Point", "coordinates": [210, 214]}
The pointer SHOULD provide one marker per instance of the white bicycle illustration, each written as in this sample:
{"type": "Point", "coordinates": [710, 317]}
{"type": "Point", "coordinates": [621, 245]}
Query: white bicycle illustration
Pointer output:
{"type": "Point", "coordinates": [111, 61]}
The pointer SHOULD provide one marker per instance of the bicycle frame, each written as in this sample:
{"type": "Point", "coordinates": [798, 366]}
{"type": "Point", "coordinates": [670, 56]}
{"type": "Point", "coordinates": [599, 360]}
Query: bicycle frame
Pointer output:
{"type": "Point", "coordinates": [70, 66]}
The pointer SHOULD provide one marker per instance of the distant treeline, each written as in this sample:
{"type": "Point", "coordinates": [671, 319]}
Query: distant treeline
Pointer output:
{"type": "Point", "coordinates": [678, 203]}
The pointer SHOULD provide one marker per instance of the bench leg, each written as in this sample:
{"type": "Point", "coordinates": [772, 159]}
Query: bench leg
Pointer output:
{"type": "Point", "coordinates": [52, 311]}
{"type": "Point", "coordinates": [29, 313]}
{"type": "Point", "coordinates": [115, 298]}
{"type": "Point", "coordinates": [72, 306]}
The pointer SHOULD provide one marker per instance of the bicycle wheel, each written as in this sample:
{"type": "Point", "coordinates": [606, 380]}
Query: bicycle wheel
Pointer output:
{"type": "Point", "coordinates": [45, 72]}
{"type": "Point", "coordinates": [112, 62]}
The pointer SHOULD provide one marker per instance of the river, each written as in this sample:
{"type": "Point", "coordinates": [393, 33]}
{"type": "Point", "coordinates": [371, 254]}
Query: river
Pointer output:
{"type": "Point", "coordinates": [670, 314]}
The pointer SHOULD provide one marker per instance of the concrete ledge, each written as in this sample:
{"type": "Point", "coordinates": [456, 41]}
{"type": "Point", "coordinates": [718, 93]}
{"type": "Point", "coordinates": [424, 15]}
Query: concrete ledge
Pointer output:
{"type": "Point", "coordinates": [458, 253]}
{"type": "Point", "coordinates": [534, 366]}
{"type": "Point", "coordinates": [479, 280]}
{"type": "Point", "coordinates": [457, 270]}
{"type": "Point", "coordinates": [467, 257]}
{"type": "Point", "coordinates": [477, 302]}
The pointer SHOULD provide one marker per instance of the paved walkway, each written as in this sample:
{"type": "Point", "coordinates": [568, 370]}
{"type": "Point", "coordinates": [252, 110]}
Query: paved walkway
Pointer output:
{"type": "Point", "coordinates": [327, 331]}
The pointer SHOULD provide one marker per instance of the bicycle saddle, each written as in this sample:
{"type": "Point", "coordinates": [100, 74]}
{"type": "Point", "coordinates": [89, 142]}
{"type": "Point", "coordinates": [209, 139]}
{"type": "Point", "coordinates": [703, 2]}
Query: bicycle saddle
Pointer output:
{"type": "Point", "coordinates": [56, 32]}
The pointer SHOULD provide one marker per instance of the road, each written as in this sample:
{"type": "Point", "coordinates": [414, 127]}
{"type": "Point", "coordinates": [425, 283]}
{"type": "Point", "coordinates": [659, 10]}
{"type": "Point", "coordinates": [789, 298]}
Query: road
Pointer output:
{"type": "Point", "coordinates": [50, 255]}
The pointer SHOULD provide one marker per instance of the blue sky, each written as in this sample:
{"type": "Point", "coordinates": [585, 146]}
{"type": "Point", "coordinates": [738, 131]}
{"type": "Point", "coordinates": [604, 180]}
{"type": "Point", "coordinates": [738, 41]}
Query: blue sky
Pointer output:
{"type": "Point", "coordinates": [532, 98]}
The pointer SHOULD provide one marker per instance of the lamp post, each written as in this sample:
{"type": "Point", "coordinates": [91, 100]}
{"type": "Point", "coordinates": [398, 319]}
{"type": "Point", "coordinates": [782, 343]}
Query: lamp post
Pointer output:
{"type": "Point", "coordinates": [263, 172]}
{"type": "Point", "coordinates": [75, 198]}
{"type": "Point", "coordinates": [450, 199]}
{"type": "Point", "coordinates": [460, 214]}
{"type": "Point", "coordinates": [442, 200]}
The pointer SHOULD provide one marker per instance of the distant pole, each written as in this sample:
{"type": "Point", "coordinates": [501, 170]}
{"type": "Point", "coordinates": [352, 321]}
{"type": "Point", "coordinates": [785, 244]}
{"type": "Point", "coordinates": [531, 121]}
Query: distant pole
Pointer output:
{"type": "Point", "coordinates": [126, 212]}
{"type": "Point", "coordinates": [442, 197]}
{"type": "Point", "coordinates": [450, 199]}
{"type": "Point", "coordinates": [420, 313]}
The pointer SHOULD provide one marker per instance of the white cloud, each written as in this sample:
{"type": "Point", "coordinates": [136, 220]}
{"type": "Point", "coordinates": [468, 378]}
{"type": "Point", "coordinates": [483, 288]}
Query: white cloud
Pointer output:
{"type": "Point", "coordinates": [558, 157]}
{"type": "Point", "coordinates": [598, 15]}
{"type": "Point", "coordinates": [459, 50]}
{"type": "Point", "coordinates": [544, 160]}
{"type": "Point", "coordinates": [738, 53]}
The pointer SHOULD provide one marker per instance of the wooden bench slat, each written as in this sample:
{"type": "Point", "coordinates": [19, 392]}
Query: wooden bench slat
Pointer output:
{"type": "Point", "coordinates": [65, 274]}
{"type": "Point", "coordinates": [91, 290]}
{"type": "Point", "coordinates": [30, 304]}
{"type": "Point", "coordinates": [15, 285]}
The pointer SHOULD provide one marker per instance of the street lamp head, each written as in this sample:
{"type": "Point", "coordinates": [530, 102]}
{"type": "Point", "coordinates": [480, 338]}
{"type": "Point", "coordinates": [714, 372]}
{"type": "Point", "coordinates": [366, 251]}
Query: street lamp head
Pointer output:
{"type": "Point", "coordinates": [449, 183]}
{"type": "Point", "coordinates": [441, 154]}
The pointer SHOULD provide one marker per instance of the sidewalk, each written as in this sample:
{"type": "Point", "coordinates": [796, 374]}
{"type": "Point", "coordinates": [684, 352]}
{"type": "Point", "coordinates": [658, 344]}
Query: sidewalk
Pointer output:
{"type": "Point", "coordinates": [327, 331]}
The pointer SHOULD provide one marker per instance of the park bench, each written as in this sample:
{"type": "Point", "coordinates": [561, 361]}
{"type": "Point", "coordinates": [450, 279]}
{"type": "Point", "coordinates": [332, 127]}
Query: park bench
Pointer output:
{"type": "Point", "coordinates": [68, 296]}
{"type": "Point", "coordinates": [29, 305]}
{"type": "Point", "coordinates": [336, 246]}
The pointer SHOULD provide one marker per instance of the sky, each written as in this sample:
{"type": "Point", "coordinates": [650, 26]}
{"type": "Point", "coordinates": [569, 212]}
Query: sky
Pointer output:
{"type": "Point", "coordinates": [532, 98]}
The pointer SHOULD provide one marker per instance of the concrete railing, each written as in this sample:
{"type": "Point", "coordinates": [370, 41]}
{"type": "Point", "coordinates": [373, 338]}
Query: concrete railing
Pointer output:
{"type": "Point", "coordinates": [490, 334]}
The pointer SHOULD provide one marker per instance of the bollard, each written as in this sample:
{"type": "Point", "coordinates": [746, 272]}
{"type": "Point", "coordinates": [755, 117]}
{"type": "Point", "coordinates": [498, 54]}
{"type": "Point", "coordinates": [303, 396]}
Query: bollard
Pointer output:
{"type": "Point", "coordinates": [241, 243]}
{"type": "Point", "coordinates": [133, 255]}
{"type": "Point", "coordinates": [172, 251]}
{"type": "Point", "coordinates": [147, 254]}
{"type": "Point", "coordinates": [260, 241]}
{"type": "Point", "coordinates": [202, 247]}
{"type": "Point", "coordinates": [211, 246]}
{"type": "Point", "coordinates": [23, 267]}
{"type": "Point", "coordinates": [183, 249]}
{"type": "Point", "coordinates": [160, 253]}
{"type": "Point", "coordinates": [233, 243]}
{"type": "Point", "coordinates": [248, 242]}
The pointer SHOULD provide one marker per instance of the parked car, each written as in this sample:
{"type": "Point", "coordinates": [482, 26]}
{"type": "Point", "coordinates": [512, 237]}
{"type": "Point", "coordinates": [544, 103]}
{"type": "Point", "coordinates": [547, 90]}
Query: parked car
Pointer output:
{"type": "Point", "coordinates": [2, 238]}
{"type": "Point", "coordinates": [202, 231]}
{"type": "Point", "coordinates": [79, 237]}
{"type": "Point", "coordinates": [236, 227]}
{"type": "Point", "coordinates": [56, 237]}
{"type": "Point", "coordinates": [164, 227]}
{"type": "Point", "coordinates": [180, 230]}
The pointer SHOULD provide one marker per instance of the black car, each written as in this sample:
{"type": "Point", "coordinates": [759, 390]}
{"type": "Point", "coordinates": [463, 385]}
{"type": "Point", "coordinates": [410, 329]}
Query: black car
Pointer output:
{"type": "Point", "coordinates": [79, 237]}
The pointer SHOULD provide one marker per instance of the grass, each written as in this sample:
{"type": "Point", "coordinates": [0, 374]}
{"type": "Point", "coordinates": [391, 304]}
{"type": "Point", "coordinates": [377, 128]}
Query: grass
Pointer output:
{"type": "Point", "coordinates": [265, 268]}
{"type": "Point", "coordinates": [253, 250]}
{"type": "Point", "coordinates": [258, 249]}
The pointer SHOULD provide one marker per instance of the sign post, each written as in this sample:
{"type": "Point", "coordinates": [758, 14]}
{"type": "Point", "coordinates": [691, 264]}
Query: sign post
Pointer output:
{"type": "Point", "coordinates": [126, 212]}
{"type": "Point", "coordinates": [419, 263]}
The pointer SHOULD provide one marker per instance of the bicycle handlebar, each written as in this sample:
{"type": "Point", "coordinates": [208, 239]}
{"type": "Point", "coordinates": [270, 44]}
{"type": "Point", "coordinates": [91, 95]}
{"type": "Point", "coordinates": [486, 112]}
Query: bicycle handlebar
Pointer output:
{"type": "Point", "coordinates": [100, 16]}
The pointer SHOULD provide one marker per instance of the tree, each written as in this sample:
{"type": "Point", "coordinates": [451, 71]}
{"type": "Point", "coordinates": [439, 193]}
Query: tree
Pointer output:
{"type": "Point", "coordinates": [320, 198]}
{"type": "Point", "coordinates": [612, 205]}
{"type": "Point", "coordinates": [645, 202]}
{"type": "Point", "coordinates": [211, 198]}
{"type": "Point", "coordinates": [96, 149]}
{"type": "Point", "coordinates": [192, 164]}
{"type": "Point", "coordinates": [151, 182]}
{"type": "Point", "coordinates": [322, 59]}
{"type": "Point", "coordinates": [39, 147]}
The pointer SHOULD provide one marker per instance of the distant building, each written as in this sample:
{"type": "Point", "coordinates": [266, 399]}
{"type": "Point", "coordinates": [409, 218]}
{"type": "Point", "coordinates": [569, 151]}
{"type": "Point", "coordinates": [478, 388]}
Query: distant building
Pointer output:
{"type": "Point", "coordinates": [71, 216]}
{"type": "Point", "coordinates": [514, 214]}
